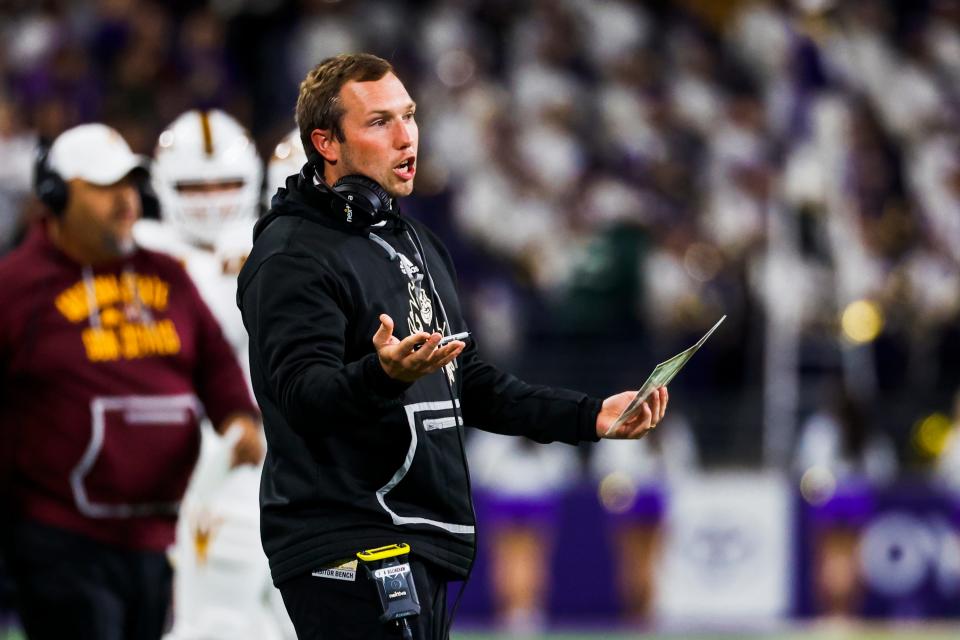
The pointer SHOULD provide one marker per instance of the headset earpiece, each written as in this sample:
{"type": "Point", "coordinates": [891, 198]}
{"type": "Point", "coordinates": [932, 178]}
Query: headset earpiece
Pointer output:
{"type": "Point", "coordinates": [360, 200]}
{"type": "Point", "coordinates": [356, 199]}
{"type": "Point", "coordinates": [47, 183]}
{"type": "Point", "coordinates": [379, 199]}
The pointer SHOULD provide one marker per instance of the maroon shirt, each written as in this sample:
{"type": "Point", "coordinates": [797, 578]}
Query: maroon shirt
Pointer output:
{"type": "Point", "coordinates": [107, 371]}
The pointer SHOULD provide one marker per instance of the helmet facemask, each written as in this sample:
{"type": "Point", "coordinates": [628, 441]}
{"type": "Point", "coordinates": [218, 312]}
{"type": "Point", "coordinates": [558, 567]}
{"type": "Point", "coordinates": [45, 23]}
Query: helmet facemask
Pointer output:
{"type": "Point", "coordinates": [207, 175]}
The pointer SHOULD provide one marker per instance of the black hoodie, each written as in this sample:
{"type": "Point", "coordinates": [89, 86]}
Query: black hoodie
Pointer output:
{"type": "Point", "coordinates": [356, 459]}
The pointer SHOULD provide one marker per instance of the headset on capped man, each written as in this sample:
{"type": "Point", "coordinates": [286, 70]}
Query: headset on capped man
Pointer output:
{"type": "Point", "coordinates": [49, 186]}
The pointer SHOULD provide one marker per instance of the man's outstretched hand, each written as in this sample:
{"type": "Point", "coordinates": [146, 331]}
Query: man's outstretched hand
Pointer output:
{"type": "Point", "coordinates": [403, 361]}
{"type": "Point", "coordinates": [645, 420]}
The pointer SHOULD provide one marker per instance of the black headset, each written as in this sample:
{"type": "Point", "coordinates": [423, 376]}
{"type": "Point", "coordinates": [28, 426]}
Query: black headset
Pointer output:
{"type": "Point", "coordinates": [47, 183]}
{"type": "Point", "coordinates": [356, 199]}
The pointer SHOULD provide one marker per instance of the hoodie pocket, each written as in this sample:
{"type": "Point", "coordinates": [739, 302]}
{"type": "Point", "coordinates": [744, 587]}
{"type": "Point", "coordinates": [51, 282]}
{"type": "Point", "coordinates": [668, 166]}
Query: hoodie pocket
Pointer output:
{"type": "Point", "coordinates": [430, 488]}
{"type": "Point", "coordinates": [138, 460]}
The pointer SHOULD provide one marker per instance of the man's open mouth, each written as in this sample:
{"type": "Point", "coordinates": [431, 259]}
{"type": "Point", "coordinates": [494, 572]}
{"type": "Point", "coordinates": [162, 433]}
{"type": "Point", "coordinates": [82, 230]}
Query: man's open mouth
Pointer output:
{"type": "Point", "coordinates": [406, 169]}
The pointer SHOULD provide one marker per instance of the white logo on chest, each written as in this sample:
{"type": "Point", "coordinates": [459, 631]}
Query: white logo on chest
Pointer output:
{"type": "Point", "coordinates": [421, 307]}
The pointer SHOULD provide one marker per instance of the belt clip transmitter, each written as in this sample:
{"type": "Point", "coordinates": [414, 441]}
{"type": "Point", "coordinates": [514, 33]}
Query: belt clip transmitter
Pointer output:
{"type": "Point", "coordinates": [389, 568]}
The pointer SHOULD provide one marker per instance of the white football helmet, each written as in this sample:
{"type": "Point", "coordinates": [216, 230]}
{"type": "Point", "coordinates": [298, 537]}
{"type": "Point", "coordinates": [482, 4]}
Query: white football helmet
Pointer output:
{"type": "Point", "coordinates": [288, 158]}
{"type": "Point", "coordinates": [207, 174]}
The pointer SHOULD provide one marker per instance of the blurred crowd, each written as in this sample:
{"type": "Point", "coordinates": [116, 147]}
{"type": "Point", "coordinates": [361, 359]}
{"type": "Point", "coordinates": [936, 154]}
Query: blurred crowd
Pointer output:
{"type": "Point", "coordinates": [611, 176]}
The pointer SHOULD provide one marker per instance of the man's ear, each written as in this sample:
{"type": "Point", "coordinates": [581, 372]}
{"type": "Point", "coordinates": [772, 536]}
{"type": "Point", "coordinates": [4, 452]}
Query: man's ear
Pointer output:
{"type": "Point", "coordinates": [325, 144]}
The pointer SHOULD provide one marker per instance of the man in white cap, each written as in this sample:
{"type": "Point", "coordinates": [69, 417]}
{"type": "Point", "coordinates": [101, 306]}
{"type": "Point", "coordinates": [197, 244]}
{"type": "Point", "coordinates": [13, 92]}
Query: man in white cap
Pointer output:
{"type": "Point", "coordinates": [109, 361]}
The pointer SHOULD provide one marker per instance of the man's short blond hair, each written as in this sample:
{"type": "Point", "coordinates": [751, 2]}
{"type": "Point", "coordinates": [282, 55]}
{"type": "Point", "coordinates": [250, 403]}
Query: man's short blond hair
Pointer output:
{"type": "Point", "coordinates": [319, 107]}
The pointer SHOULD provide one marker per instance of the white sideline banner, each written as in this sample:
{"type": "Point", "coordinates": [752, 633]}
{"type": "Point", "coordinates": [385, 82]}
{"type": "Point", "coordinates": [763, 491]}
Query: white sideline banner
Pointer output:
{"type": "Point", "coordinates": [727, 550]}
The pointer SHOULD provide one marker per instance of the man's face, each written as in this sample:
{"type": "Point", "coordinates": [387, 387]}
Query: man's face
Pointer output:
{"type": "Point", "coordinates": [98, 221]}
{"type": "Point", "coordinates": [380, 135]}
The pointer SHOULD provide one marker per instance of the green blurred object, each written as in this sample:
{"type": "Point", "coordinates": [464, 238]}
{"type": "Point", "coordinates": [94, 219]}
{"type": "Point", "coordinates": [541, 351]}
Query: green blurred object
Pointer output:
{"type": "Point", "coordinates": [604, 290]}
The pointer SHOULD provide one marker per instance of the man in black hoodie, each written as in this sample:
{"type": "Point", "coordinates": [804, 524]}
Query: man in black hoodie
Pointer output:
{"type": "Point", "coordinates": [364, 427]}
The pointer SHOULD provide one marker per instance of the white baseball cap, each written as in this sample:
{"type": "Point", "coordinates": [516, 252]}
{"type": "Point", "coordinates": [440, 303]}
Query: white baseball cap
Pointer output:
{"type": "Point", "coordinates": [95, 153]}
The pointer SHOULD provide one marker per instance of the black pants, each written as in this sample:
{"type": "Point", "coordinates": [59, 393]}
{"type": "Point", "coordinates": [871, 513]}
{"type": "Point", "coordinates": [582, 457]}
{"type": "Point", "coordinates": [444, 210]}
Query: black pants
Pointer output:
{"type": "Point", "coordinates": [322, 608]}
{"type": "Point", "coordinates": [69, 586]}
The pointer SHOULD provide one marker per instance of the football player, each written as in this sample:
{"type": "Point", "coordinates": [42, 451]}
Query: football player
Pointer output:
{"type": "Point", "coordinates": [207, 176]}
{"type": "Point", "coordinates": [287, 160]}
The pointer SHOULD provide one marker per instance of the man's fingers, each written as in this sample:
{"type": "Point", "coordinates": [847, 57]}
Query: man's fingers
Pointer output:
{"type": "Point", "coordinates": [640, 424]}
{"type": "Point", "coordinates": [435, 357]}
{"type": "Point", "coordinates": [384, 332]}
{"type": "Point", "coordinates": [644, 424]}
{"type": "Point", "coordinates": [654, 403]}
{"type": "Point", "coordinates": [651, 412]}
{"type": "Point", "coordinates": [448, 353]}
{"type": "Point", "coordinates": [408, 345]}
{"type": "Point", "coordinates": [416, 355]}
{"type": "Point", "coordinates": [440, 357]}
{"type": "Point", "coordinates": [422, 344]}
{"type": "Point", "coordinates": [446, 350]}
